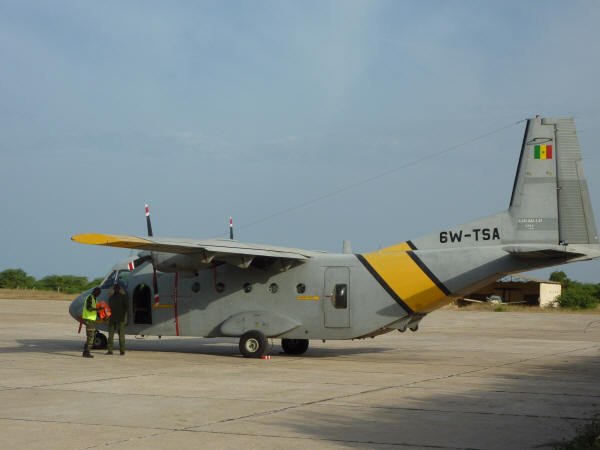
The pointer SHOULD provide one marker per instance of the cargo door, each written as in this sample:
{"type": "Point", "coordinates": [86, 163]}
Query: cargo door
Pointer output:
{"type": "Point", "coordinates": [336, 297]}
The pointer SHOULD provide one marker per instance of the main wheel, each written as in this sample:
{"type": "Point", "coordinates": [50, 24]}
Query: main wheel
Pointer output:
{"type": "Point", "coordinates": [100, 341]}
{"type": "Point", "coordinates": [294, 346]}
{"type": "Point", "coordinates": [253, 344]}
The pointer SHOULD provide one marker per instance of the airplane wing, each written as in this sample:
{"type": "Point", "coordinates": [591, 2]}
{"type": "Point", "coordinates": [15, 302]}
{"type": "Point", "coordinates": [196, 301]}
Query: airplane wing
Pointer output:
{"type": "Point", "coordinates": [205, 250]}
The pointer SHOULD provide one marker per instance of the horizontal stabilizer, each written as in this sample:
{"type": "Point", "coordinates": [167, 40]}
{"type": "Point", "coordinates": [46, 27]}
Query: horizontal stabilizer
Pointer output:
{"type": "Point", "coordinates": [540, 252]}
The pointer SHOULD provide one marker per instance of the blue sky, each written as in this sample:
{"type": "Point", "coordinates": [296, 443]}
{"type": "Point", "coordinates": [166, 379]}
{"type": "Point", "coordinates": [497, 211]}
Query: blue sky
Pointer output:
{"type": "Point", "coordinates": [212, 109]}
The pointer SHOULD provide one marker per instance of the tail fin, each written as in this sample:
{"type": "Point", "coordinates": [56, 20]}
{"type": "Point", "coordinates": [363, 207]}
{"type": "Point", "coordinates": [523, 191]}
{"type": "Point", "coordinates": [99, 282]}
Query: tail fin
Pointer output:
{"type": "Point", "coordinates": [550, 202]}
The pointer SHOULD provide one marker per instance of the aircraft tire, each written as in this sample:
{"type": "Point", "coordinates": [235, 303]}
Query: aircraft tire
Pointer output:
{"type": "Point", "coordinates": [100, 341]}
{"type": "Point", "coordinates": [253, 344]}
{"type": "Point", "coordinates": [294, 346]}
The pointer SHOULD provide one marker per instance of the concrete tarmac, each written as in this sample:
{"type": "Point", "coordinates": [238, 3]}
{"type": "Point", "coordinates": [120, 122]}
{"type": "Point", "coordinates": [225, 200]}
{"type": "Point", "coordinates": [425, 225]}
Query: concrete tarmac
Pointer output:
{"type": "Point", "coordinates": [478, 380]}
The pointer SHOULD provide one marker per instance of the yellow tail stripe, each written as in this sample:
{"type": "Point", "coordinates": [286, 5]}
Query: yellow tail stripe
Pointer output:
{"type": "Point", "coordinates": [404, 247]}
{"type": "Point", "coordinates": [406, 279]}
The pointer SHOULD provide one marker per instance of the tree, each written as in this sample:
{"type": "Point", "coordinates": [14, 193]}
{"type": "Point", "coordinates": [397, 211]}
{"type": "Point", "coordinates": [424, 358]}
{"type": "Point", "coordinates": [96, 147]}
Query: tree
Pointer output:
{"type": "Point", "coordinates": [579, 296]}
{"type": "Point", "coordinates": [69, 284]}
{"type": "Point", "coordinates": [16, 279]}
{"type": "Point", "coordinates": [95, 282]}
{"type": "Point", "coordinates": [559, 276]}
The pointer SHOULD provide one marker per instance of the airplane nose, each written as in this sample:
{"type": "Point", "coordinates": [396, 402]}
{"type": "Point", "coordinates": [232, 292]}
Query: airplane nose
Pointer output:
{"type": "Point", "coordinates": [76, 306]}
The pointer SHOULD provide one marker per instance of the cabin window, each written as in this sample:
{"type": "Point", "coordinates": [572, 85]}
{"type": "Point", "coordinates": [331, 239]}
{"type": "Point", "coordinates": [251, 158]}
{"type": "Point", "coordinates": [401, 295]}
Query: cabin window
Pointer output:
{"type": "Point", "coordinates": [247, 287]}
{"type": "Point", "coordinates": [340, 297]}
{"type": "Point", "coordinates": [273, 288]}
{"type": "Point", "coordinates": [196, 287]}
{"type": "Point", "coordinates": [301, 288]}
{"type": "Point", "coordinates": [220, 287]}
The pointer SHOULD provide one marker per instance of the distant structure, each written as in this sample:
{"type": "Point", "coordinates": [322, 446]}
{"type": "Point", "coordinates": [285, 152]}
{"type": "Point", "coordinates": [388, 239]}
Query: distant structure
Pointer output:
{"type": "Point", "coordinates": [519, 289]}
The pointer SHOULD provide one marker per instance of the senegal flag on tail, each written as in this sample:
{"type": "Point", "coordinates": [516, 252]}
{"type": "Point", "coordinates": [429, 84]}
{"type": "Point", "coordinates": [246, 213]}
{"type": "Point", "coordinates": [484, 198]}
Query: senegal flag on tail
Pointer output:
{"type": "Point", "coordinates": [542, 152]}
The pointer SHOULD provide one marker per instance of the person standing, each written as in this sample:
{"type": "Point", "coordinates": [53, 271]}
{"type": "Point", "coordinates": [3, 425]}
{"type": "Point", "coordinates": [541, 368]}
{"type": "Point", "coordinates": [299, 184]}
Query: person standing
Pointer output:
{"type": "Point", "coordinates": [119, 305]}
{"type": "Point", "coordinates": [88, 317]}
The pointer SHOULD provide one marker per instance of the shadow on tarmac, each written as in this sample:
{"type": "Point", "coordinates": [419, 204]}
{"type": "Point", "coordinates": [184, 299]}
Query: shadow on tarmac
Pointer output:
{"type": "Point", "coordinates": [201, 346]}
{"type": "Point", "coordinates": [529, 405]}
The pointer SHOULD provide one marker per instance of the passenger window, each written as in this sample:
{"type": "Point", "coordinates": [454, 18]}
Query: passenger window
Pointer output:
{"type": "Point", "coordinates": [340, 297]}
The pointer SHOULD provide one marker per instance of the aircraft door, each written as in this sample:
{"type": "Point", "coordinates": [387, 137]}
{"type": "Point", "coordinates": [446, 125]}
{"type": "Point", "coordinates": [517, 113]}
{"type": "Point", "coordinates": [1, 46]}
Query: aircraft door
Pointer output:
{"type": "Point", "coordinates": [141, 304]}
{"type": "Point", "coordinates": [336, 297]}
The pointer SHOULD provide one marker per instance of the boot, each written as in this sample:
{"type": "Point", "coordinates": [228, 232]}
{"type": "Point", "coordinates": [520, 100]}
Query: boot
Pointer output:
{"type": "Point", "coordinates": [87, 354]}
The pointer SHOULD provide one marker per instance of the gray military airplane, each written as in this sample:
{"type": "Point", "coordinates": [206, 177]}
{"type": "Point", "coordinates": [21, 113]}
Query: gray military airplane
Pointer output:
{"type": "Point", "coordinates": [220, 287]}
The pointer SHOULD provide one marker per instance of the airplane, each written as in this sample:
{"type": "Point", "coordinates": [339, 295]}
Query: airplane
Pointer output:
{"type": "Point", "coordinates": [226, 288]}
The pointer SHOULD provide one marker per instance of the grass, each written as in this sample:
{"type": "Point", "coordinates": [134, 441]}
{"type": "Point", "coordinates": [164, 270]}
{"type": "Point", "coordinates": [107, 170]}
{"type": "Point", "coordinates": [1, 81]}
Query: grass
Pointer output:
{"type": "Point", "coordinates": [34, 294]}
{"type": "Point", "coordinates": [588, 437]}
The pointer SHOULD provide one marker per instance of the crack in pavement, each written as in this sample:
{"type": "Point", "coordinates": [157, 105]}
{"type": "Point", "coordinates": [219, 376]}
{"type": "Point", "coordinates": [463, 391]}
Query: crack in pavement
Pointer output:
{"type": "Point", "coordinates": [384, 388]}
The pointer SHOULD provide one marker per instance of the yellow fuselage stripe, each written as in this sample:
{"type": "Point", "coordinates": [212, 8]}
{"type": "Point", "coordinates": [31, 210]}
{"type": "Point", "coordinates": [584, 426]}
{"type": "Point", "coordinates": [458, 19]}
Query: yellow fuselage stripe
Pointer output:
{"type": "Point", "coordinates": [406, 279]}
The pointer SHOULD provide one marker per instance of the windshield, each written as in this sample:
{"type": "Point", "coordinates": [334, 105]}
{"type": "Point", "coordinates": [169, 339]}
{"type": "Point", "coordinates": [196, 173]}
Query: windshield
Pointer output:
{"type": "Point", "coordinates": [119, 276]}
{"type": "Point", "coordinates": [109, 281]}
{"type": "Point", "coordinates": [123, 278]}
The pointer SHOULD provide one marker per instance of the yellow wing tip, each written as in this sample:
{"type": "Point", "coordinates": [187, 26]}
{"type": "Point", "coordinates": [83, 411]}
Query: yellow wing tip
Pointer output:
{"type": "Point", "coordinates": [111, 240]}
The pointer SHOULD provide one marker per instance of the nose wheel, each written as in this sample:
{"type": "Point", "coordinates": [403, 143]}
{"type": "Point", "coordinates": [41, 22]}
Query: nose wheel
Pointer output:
{"type": "Point", "coordinates": [253, 344]}
{"type": "Point", "coordinates": [100, 341]}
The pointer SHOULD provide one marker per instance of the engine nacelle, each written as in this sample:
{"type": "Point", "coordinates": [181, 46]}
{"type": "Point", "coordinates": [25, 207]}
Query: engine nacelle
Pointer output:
{"type": "Point", "coordinates": [167, 262]}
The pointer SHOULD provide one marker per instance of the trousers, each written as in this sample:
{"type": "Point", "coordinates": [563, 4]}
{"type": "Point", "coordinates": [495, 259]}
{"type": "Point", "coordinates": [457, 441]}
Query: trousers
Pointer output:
{"type": "Point", "coordinates": [90, 328]}
{"type": "Point", "coordinates": [119, 327]}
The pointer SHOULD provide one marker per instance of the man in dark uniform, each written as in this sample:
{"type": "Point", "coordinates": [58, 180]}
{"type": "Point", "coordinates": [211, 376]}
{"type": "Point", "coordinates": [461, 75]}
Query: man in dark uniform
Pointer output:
{"type": "Point", "coordinates": [119, 305]}
{"type": "Point", "coordinates": [88, 317]}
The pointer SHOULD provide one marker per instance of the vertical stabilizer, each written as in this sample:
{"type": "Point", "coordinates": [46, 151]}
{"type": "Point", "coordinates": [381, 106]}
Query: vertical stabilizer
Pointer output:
{"type": "Point", "coordinates": [534, 203]}
{"type": "Point", "coordinates": [550, 201]}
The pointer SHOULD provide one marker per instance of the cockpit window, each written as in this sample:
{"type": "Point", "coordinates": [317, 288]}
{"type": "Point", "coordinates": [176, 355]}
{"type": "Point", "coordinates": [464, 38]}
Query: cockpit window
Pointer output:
{"type": "Point", "coordinates": [109, 281]}
{"type": "Point", "coordinates": [123, 277]}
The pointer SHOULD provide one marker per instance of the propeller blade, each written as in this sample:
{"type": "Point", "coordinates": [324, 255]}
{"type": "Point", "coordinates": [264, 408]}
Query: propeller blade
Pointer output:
{"type": "Point", "coordinates": [154, 276]}
{"type": "Point", "coordinates": [148, 223]}
{"type": "Point", "coordinates": [230, 227]}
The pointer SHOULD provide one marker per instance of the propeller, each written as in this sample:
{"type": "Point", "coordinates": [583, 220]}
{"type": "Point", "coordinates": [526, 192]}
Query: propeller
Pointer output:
{"type": "Point", "coordinates": [154, 276]}
{"type": "Point", "coordinates": [230, 227]}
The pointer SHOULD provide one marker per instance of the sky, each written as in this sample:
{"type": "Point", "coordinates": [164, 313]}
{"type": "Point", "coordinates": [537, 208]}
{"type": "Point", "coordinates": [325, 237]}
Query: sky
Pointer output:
{"type": "Point", "coordinates": [260, 110]}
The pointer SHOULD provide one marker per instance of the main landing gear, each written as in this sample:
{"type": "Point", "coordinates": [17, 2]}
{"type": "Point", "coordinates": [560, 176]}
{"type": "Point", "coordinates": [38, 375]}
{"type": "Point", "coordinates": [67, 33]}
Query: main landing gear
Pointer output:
{"type": "Point", "coordinates": [294, 346]}
{"type": "Point", "coordinates": [254, 344]}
